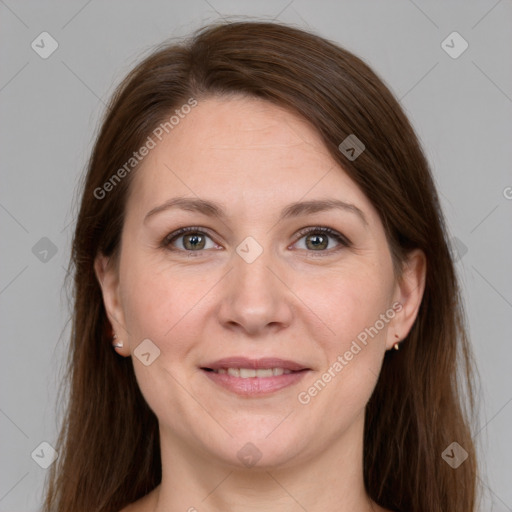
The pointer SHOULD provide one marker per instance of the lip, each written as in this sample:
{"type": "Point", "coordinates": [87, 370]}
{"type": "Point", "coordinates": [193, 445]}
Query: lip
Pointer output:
{"type": "Point", "coordinates": [262, 363]}
{"type": "Point", "coordinates": [255, 386]}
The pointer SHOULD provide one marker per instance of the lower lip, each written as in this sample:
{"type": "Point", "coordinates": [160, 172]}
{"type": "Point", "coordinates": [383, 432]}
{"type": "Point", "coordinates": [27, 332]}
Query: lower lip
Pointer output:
{"type": "Point", "coordinates": [255, 386]}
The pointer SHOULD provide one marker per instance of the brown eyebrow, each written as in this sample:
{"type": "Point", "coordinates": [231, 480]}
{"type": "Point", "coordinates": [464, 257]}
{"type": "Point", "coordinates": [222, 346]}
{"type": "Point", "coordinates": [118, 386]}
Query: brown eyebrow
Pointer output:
{"type": "Point", "coordinates": [213, 209]}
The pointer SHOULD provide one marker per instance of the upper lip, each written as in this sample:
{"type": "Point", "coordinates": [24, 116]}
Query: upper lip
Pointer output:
{"type": "Point", "coordinates": [262, 363]}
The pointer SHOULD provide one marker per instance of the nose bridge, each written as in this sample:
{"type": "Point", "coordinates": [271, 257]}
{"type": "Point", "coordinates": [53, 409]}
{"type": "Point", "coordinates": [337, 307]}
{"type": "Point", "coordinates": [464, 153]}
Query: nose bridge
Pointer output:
{"type": "Point", "coordinates": [255, 296]}
{"type": "Point", "coordinates": [252, 273]}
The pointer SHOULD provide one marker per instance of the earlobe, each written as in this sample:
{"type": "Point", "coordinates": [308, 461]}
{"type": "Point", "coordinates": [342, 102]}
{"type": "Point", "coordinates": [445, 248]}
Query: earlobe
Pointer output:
{"type": "Point", "coordinates": [409, 294]}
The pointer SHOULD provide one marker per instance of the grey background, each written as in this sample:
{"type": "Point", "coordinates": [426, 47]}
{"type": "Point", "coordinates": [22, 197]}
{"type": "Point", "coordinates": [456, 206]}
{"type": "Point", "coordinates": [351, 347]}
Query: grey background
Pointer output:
{"type": "Point", "coordinates": [50, 108]}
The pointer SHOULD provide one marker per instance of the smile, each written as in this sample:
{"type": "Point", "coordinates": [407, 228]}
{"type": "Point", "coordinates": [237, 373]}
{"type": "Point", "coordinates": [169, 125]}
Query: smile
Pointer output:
{"type": "Point", "coordinates": [250, 382]}
{"type": "Point", "coordinates": [246, 373]}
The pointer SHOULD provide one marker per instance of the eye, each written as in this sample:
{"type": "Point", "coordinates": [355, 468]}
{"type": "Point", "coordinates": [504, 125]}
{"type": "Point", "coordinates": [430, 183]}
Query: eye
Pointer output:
{"type": "Point", "coordinates": [193, 239]}
{"type": "Point", "coordinates": [317, 239]}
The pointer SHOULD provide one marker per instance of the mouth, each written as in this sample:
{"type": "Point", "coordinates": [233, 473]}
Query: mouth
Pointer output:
{"type": "Point", "coordinates": [254, 377]}
{"type": "Point", "coordinates": [247, 373]}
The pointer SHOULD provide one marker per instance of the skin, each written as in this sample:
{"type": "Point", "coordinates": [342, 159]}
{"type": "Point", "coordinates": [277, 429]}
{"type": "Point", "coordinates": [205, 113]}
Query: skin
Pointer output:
{"type": "Point", "coordinates": [294, 301]}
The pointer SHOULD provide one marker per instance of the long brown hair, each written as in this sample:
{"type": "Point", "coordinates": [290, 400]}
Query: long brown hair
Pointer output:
{"type": "Point", "coordinates": [424, 398]}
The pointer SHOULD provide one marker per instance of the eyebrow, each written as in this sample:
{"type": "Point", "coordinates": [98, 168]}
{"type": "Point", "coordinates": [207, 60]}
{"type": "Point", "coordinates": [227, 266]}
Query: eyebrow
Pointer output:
{"type": "Point", "coordinates": [213, 209]}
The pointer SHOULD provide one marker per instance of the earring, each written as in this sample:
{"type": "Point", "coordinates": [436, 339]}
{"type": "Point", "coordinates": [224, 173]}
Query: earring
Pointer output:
{"type": "Point", "coordinates": [115, 344]}
{"type": "Point", "coordinates": [396, 346]}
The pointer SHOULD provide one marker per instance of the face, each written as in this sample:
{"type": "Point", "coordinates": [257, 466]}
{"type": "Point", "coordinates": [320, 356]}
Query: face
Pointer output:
{"type": "Point", "coordinates": [259, 280]}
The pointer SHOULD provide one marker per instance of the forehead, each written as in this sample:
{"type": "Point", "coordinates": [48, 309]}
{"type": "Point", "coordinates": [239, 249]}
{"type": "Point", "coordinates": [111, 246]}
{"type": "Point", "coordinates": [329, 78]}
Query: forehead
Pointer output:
{"type": "Point", "coordinates": [241, 149]}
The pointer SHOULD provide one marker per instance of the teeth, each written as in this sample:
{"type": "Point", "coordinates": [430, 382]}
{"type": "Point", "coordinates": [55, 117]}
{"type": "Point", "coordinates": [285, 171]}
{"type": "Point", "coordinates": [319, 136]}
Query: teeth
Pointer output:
{"type": "Point", "coordinates": [246, 373]}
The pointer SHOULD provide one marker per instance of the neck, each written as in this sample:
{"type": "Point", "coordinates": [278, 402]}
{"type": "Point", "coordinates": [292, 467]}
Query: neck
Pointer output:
{"type": "Point", "coordinates": [332, 480]}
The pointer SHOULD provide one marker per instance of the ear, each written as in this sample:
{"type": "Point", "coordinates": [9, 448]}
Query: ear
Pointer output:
{"type": "Point", "coordinates": [108, 277]}
{"type": "Point", "coordinates": [408, 295]}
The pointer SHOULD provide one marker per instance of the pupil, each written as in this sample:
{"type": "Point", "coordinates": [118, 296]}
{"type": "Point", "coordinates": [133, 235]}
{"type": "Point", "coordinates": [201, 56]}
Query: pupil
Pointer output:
{"type": "Point", "coordinates": [194, 240]}
{"type": "Point", "coordinates": [318, 240]}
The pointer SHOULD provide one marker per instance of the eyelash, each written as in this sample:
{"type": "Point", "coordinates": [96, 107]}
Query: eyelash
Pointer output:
{"type": "Point", "coordinates": [344, 241]}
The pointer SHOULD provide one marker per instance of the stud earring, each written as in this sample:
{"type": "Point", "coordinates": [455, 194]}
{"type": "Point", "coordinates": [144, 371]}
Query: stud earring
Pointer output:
{"type": "Point", "coordinates": [396, 346]}
{"type": "Point", "coordinates": [118, 344]}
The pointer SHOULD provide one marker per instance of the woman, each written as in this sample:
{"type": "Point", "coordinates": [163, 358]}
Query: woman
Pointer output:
{"type": "Point", "coordinates": [266, 314]}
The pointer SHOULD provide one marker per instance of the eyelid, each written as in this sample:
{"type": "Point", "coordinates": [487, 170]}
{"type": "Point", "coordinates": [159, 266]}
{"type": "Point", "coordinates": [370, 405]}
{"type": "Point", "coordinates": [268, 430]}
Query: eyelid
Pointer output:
{"type": "Point", "coordinates": [339, 237]}
{"type": "Point", "coordinates": [168, 239]}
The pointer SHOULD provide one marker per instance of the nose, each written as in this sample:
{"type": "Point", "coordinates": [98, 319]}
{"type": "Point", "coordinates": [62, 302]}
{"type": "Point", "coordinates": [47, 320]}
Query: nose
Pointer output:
{"type": "Point", "coordinates": [256, 299]}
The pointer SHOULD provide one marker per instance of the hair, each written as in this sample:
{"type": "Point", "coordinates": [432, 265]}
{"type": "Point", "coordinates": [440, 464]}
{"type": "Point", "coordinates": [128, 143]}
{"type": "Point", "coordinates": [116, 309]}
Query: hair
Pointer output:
{"type": "Point", "coordinates": [424, 398]}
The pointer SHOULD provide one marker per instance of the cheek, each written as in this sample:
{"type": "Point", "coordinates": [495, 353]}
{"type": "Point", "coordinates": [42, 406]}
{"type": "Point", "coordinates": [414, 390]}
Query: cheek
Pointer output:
{"type": "Point", "coordinates": [159, 306]}
{"type": "Point", "coordinates": [156, 302]}
{"type": "Point", "coordinates": [347, 300]}
{"type": "Point", "coordinates": [357, 311]}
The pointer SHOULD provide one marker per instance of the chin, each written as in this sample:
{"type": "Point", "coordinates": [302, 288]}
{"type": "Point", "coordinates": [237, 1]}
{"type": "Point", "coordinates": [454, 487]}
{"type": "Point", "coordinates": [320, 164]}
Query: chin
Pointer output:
{"type": "Point", "coordinates": [257, 453]}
